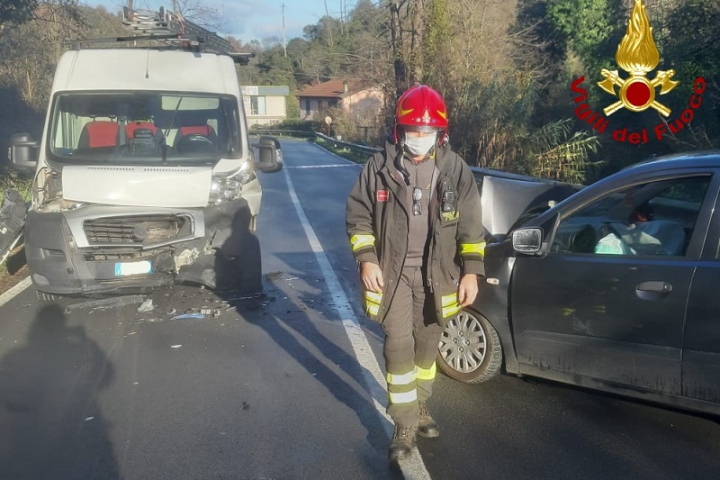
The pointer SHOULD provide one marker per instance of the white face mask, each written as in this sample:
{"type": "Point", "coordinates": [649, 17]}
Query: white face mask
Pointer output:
{"type": "Point", "coordinates": [420, 146]}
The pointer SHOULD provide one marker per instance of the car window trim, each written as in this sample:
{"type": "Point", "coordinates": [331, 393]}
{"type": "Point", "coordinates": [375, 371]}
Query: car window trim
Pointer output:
{"type": "Point", "coordinates": [694, 251]}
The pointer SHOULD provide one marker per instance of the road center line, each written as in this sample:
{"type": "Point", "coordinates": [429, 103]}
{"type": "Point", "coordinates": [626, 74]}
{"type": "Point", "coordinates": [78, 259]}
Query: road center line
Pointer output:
{"type": "Point", "coordinates": [414, 467]}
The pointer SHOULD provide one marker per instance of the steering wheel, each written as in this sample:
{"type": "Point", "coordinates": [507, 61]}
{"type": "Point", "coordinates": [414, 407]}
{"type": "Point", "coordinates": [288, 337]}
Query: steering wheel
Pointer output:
{"type": "Point", "coordinates": [195, 143]}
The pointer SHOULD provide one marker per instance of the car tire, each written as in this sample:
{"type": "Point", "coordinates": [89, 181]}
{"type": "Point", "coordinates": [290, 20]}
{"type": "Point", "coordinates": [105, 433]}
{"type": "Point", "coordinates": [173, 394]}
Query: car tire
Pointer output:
{"type": "Point", "coordinates": [467, 361]}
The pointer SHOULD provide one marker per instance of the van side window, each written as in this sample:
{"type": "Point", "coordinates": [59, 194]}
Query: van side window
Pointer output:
{"type": "Point", "coordinates": [654, 218]}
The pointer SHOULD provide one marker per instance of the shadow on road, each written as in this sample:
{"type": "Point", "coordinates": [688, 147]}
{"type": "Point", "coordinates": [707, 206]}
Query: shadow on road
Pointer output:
{"type": "Point", "coordinates": [50, 423]}
{"type": "Point", "coordinates": [290, 328]}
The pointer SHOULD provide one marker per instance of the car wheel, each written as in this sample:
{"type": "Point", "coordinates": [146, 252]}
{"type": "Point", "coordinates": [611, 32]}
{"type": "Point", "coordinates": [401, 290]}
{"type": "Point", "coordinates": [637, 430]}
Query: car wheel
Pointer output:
{"type": "Point", "coordinates": [469, 350]}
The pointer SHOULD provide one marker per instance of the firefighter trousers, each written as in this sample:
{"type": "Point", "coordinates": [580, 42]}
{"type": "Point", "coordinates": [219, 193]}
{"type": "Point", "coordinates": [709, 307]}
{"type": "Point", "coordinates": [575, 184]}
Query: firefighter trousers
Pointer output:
{"type": "Point", "coordinates": [411, 342]}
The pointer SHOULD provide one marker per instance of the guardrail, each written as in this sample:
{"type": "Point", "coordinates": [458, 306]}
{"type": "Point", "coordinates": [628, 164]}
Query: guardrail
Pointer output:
{"type": "Point", "coordinates": [306, 133]}
{"type": "Point", "coordinates": [274, 131]}
{"type": "Point", "coordinates": [362, 148]}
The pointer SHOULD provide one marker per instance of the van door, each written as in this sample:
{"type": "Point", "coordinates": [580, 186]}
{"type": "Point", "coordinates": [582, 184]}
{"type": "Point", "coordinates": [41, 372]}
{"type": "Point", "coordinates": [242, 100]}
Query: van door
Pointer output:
{"type": "Point", "coordinates": [608, 302]}
{"type": "Point", "coordinates": [701, 344]}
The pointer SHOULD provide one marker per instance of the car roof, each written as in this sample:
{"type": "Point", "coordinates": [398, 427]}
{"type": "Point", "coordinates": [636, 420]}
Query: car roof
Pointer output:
{"type": "Point", "coordinates": [700, 159]}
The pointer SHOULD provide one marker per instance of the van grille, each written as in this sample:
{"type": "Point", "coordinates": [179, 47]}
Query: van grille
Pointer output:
{"type": "Point", "coordinates": [138, 231]}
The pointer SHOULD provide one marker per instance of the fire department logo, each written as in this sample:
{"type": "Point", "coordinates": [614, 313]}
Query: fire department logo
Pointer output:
{"type": "Point", "coordinates": [637, 54]}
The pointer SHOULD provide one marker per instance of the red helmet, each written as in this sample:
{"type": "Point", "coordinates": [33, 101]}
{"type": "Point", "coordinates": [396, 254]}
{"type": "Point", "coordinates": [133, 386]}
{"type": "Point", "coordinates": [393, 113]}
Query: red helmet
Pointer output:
{"type": "Point", "coordinates": [421, 106]}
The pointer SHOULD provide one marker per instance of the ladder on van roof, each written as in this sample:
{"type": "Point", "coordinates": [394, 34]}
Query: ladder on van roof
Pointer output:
{"type": "Point", "coordinates": [171, 30]}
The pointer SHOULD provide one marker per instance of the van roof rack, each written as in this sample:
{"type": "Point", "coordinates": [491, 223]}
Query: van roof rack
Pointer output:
{"type": "Point", "coordinates": [168, 30]}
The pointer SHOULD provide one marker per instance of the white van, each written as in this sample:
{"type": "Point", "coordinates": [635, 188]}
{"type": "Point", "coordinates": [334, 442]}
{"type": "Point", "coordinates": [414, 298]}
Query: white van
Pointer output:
{"type": "Point", "coordinates": [144, 175]}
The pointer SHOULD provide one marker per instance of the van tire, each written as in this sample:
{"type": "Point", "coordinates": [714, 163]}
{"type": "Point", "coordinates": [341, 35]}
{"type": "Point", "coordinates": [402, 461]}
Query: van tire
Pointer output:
{"type": "Point", "coordinates": [471, 362]}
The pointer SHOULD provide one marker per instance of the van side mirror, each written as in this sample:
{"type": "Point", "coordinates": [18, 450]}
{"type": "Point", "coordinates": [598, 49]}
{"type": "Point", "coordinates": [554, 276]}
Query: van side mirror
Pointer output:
{"type": "Point", "coordinates": [23, 152]}
{"type": "Point", "coordinates": [270, 155]}
{"type": "Point", "coordinates": [527, 240]}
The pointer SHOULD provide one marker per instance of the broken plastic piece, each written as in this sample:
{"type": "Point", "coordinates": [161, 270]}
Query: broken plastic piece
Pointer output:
{"type": "Point", "coordinates": [186, 316]}
{"type": "Point", "coordinates": [272, 276]}
{"type": "Point", "coordinates": [147, 306]}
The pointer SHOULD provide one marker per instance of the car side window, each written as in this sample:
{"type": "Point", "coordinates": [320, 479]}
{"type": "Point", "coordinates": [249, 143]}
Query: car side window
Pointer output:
{"type": "Point", "coordinates": [654, 218]}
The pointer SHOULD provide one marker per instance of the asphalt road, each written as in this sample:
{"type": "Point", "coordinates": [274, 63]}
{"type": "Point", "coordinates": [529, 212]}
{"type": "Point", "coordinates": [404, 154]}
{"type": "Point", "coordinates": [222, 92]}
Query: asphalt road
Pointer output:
{"type": "Point", "coordinates": [288, 387]}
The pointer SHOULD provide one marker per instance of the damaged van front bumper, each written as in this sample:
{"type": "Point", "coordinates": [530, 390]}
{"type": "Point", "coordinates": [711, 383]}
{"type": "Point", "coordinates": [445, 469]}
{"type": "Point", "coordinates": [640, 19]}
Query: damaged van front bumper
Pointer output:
{"type": "Point", "coordinates": [108, 249]}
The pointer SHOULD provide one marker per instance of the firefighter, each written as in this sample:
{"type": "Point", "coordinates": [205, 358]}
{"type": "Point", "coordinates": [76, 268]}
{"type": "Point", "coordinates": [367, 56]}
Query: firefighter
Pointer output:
{"type": "Point", "coordinates": [414, 223]}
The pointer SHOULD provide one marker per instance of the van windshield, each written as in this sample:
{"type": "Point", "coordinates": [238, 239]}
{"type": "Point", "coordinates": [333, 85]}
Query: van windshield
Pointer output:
{"type": "Point", "coordinates": [144, 127]}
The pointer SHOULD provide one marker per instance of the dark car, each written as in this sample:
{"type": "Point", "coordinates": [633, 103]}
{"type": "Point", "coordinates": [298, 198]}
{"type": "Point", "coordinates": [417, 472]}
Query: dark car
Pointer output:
{"type": "Point", "coordinates": [613, 289]}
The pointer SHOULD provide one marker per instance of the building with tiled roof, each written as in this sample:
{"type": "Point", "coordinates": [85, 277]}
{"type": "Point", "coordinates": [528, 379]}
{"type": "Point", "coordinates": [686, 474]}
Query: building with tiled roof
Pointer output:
{"type": "Point", "coordinates": [360, 101]}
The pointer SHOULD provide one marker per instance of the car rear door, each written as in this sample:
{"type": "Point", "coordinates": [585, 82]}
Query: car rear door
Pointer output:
{"type": "Point", "coordinates": [592, 313]}
{"type": "Point", "coordinates": [701, 344]}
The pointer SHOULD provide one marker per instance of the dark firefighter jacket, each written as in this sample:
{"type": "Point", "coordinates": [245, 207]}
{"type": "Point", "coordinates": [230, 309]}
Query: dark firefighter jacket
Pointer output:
{"type": "Point", "coordinates": [378, 224]}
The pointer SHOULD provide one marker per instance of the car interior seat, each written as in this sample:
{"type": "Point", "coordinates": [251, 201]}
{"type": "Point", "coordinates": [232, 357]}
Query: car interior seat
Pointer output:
{"type": "Point", "coordinates": [670, 236]}
{"type": "Point", "coordinates": [99, 133]}
{"type": "Point", "coordinates": [132, 127]}
{"type": "Point", "coordinates": [205, 130]}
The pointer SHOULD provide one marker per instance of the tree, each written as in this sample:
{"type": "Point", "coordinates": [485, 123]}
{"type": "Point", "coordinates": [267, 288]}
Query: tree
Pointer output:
{"type": "Point", "coordinates": [16, 12]}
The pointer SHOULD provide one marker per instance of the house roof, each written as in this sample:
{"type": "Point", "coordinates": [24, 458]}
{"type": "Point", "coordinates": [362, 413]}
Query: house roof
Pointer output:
{"type": "Point", "coordinates": [330, 89]}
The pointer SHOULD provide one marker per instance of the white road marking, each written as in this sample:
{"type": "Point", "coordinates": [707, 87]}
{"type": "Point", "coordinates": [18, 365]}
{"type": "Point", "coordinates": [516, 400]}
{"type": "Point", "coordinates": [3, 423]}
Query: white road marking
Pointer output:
{"type": "Point", "coordinates": [412, 468]}
{"type": "Point", "coordinates": [15, 291]}
{"type": "Point", "coordinates": [328, 166]}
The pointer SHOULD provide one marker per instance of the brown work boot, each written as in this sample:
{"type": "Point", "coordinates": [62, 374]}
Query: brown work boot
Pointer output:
{"type": "Point", "coordinates": [427, 427]}
{"type": "Point", "coordinates": [402, 443]}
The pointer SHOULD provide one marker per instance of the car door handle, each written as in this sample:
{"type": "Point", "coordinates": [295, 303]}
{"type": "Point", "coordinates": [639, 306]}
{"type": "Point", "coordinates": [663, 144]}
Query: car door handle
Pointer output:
{"type": "Point", "coordinates": [659, 287]}
{"type": "Point", "coordinates": [653, 290]}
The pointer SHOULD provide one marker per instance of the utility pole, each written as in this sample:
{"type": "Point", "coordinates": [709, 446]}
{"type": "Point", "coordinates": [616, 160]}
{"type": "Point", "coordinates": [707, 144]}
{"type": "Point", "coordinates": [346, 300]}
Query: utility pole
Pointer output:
{"type": "Point", "coordinates": [328, 25]}
{"type": "Point", "coordinates": [342, 18]}
{"type": "Point", "coordinates": [283, 23]}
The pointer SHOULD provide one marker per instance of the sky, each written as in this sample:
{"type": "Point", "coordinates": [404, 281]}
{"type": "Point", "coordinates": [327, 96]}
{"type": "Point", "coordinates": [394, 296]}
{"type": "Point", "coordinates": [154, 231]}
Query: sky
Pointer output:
{"type": "Point", "coordinates": [251, 19]}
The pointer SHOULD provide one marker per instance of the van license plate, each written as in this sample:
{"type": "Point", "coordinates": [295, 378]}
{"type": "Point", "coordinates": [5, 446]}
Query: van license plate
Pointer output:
{"type": "Point", "coordinates": [132, 268]}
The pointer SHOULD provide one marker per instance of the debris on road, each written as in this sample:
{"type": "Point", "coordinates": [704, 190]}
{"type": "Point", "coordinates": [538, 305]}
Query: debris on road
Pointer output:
{"type": "Point", "coordinates": [272, 276]}
{"type": "Point", "coordinates": [176, 346]}
{"type": "Point", "coordinates": [215, 312]}
{"type": "Point", "coordinates": [187, 316]}
{"type": "Point", "coordinates": [112, 302]}
{"type": "Point", "coordinates": [147, 306]}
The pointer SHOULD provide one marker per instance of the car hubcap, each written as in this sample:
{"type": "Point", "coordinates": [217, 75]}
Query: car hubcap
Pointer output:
{"type": "Point", "coordinates": [463, 343]}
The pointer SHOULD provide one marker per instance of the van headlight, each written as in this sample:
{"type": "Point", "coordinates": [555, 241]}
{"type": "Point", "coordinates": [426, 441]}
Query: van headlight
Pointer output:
{"type": "Point", "coordinates": [228, 187]}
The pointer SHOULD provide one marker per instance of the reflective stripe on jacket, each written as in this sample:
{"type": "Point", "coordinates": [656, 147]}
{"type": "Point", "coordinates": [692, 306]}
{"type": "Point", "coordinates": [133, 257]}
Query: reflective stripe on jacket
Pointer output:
{"type": "Point", "coordinates": [378, 223]}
